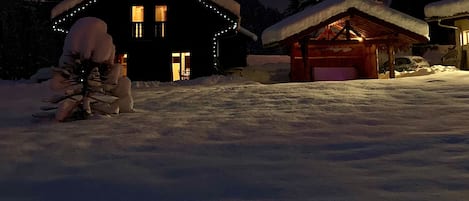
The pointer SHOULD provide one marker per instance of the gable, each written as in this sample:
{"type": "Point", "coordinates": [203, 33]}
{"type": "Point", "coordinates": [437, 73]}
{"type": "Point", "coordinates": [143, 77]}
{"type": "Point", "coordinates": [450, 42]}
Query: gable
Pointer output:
{"type": "Point", "coordinates": [64, 6]}
{"type": "Point", "coordinates": [372, 16]}
{"type": "Point", "coordinates": [62, 13]}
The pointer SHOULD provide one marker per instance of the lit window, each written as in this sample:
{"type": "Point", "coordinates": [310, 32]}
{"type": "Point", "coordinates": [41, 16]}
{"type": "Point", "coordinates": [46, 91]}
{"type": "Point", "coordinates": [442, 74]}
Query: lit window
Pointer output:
{"type": "Point", "coordinates": [137, 21]}
{"type": "Point", "coordinates": [122, 60]}
{"type": "Point", "coordinates": [160, 20]}
{"type": "Point", "coordinates": [181, 67]}
{"type": "Point", "coordinates": [465, 37]}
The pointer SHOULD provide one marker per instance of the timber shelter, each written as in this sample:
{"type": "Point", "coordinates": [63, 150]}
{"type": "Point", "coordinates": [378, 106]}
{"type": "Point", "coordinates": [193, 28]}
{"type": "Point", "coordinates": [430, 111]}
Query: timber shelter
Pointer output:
{"type": "Point", "coordinates": [339, 39]}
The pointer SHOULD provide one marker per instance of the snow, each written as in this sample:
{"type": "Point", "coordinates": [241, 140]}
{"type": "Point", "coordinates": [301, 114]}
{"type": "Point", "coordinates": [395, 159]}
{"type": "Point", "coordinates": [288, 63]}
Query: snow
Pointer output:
{"type": "Point", "coordinates": [447, 8]}
{"type": "Point", "coordinates": [314, 15]}
{"type": "Point", "coordinates": [88, 37]}
{"type": "Point", "coordinates": [233, 138]}
{"type": "Point", "coordinates": [65, 5]}
{"type": "Point", "coordinates": [248, 33]}
{"type": "Point", "coordinates": [230, 5]}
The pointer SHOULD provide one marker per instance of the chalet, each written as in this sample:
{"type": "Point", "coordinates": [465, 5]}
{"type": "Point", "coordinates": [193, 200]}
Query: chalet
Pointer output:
{"type": "Point", "coordinates": [340, 39]}
{"type": "Point", "coordinates": [453, 15]}
{"type": "Point", "coordinates": [166, 40]}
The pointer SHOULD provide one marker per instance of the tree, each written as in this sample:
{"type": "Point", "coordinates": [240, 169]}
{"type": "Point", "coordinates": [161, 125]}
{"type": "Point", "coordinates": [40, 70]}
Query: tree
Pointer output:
{"type": "Point", "coordinates": [87, 79]}
{"type": "Point", "coordinates": [255, 17]}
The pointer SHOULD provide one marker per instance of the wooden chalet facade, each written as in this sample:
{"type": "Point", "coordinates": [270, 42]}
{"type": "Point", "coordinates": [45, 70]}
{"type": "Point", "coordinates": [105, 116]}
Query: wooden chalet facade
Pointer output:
{"type": "Point", "coordinates": [453, 15]}
{"type": "Point", "coordinates": [165, 40]}
{"type": "Point", "coordinates": [339, 40]}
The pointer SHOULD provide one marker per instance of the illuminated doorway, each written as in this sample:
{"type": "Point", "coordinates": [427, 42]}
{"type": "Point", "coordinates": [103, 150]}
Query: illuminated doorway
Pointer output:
{"type": "Point", "coordinates": [181, 68]}
{"type": "Point", "coordinates": [122, 60]}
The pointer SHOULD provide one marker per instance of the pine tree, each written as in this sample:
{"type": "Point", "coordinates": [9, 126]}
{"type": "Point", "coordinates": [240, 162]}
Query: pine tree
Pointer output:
{"type": "Point", "coordinates": [85, 87]}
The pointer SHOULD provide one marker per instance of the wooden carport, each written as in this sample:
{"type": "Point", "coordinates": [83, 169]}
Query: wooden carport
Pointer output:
{"type": "Point", "coordinates": [344, 44]}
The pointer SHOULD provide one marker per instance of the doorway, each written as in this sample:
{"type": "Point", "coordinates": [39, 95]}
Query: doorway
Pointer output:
{"type": "Point", "coordinates": [122, 60]}
{"type": "Point", "coordinates": [181, 68]}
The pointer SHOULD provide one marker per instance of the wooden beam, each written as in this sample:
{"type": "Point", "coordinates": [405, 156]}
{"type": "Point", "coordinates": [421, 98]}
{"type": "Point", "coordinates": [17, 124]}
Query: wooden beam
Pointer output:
{"type": "Point", "coordinates": [391, 57]}
{"type": "Point", "coordinates": [335, 42]}
{"type": "Point", "coordinates": [305, 54]}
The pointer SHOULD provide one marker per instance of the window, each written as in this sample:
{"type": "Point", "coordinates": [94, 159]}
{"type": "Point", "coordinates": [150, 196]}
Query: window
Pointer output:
{"type": "Point", "coordinates": [160, 20]}
{"type": "Point", "coordinates": [122, 60]}
{"type": "Point", "coordinates": [137, 21]}
{"type": "Point", "coordinates": [465, 37]}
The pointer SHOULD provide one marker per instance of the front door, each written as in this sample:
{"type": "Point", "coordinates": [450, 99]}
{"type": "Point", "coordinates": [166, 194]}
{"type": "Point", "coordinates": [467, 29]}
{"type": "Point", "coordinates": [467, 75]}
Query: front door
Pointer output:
{"type": "Point", "coordinates": [181, 69]}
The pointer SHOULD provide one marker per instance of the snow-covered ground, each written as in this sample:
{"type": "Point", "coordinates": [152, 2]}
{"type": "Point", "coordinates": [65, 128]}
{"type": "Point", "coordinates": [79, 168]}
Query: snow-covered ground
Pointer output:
{"type": "Point", "coordinates": [253, 137]}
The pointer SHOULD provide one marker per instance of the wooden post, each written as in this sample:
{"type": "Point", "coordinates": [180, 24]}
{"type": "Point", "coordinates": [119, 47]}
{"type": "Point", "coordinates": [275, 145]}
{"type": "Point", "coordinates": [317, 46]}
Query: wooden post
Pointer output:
{"type": "Point", "coordinates": [391, 58]}
{"type": "Point", "coordinates": [305, 54]}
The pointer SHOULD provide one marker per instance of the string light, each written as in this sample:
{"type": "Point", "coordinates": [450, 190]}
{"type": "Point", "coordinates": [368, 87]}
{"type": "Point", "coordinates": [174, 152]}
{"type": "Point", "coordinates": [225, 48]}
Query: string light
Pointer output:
{"type": "Point", "coordinates": [69, 15]}
{"type": "Point", "coordinates": [233, 22]}
{"type": "Point", "coordinates": [233, 26]}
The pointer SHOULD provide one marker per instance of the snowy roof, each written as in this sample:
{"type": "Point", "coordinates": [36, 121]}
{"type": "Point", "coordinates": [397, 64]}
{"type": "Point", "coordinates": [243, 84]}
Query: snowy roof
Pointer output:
{"type": "Point", "coordinates": [65, 5]}
{"type": "Point", "coordinates": [327, 9]}
{"type": "Point", "coordinates": [230, 5]}
{"type": "Point", "coordinates": [446, 8]}
{"type": "Point", "coordinates": [248, 33]}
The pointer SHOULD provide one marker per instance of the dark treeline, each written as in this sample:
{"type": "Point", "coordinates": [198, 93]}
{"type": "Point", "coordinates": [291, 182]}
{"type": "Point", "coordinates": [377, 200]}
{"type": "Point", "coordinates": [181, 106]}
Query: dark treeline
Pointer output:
{"type": "Point", "coordinates": [255, 17]}
{"type": "Point", "coordinates": [27, 42]}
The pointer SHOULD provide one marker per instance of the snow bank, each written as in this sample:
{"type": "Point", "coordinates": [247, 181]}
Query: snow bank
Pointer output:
{"type": "Point", "coordinates": [267, 68]}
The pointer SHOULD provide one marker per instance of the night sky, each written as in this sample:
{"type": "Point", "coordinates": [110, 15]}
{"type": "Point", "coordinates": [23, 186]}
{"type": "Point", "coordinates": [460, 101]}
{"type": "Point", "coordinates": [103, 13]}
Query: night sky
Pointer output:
{"type": "Point", "coordinates": [279, 4]}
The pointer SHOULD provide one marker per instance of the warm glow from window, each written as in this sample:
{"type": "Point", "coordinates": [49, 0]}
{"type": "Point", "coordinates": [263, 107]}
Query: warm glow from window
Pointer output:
{"type": "Point", "coordinates": [137, 21]}
{"type": "Point", "coordinates": [122, 60]}
{"type": "Point", "coordinates": [124, 65]}
{"type": "Point", "coordinates": [137, 13]}
{"type": "Point", "coordinates": [160, 13]}
{"type": "Point", "coordinates": [160, 21]}
{"type": "Point", "coordinates": [465, 37]}
{"type": "Point", "coordinates": [181, 66]}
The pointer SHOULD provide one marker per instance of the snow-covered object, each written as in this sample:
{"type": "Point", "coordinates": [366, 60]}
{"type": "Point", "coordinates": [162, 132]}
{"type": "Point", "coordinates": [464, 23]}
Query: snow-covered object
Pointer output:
{"type": "Point", "coordinates": [446, 8]}
{"type": "Point", "coordinates": [123, 91]}
{"type": "Point", "coordinates": [88, 37]}
{"type": "Point", "coordinates": [65, 5]}
{"type": "Point", "coordinates": [314, 15]}
{"type": "Point", "coordinates": [65, 109]}
{"type": "Point", "coordinates": [42, 74]}
{"type": "Point", "coordinates": [248, 33]}
{"type": "Point", "coordinates": [119, 86]}
{"type": "Point", "coordinates": [114, 74]}
{"type": "Point", "coordinates": [230, 5]}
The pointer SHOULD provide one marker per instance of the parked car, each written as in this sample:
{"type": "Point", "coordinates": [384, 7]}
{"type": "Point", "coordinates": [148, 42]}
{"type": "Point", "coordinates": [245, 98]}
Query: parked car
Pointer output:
{"type": "Point", "coordinates": [405, 63]}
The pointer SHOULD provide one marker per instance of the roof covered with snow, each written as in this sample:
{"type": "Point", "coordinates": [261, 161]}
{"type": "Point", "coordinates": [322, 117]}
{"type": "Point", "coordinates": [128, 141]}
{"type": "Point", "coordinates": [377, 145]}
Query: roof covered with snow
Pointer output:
{"type": "Point", "coordinates": [65, 5]}
{"type": "Point", "coordinates": [248, 33]}
{"type": "Point", "coordinates": [315, 15]}
{"type": "Point", "coordinates": [447, 8]}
